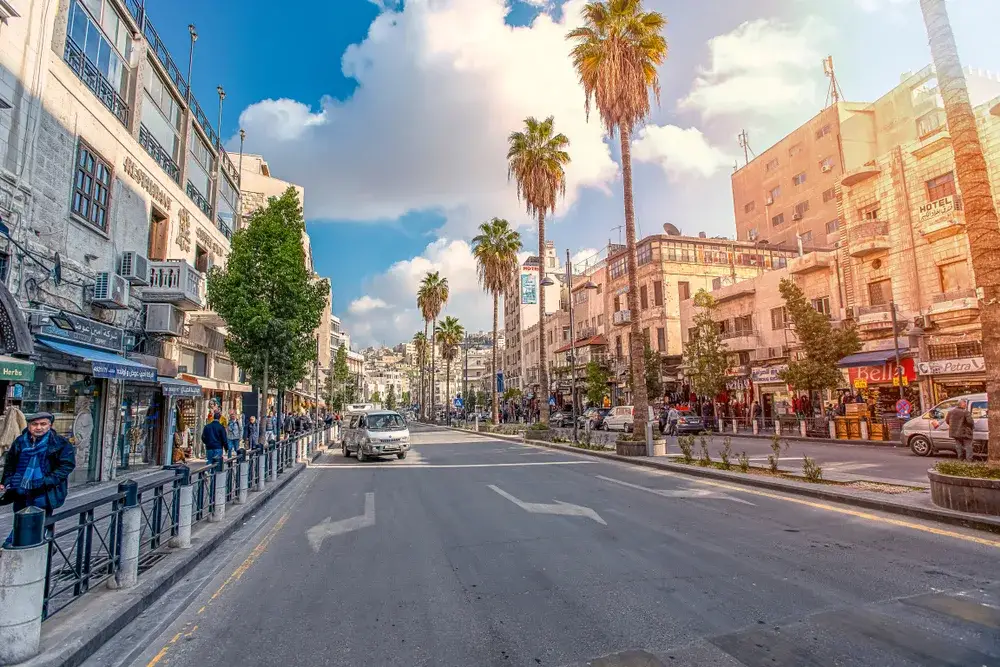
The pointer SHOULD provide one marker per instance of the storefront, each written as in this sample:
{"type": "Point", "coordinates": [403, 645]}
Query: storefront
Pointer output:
{"type": "Point", "coordinates": [739, 394]}
{"type": "Point", "coordinates": [941, 380]}
{"type": "Point", "coordinates": [875, 378]}
{"type": "Point", "coordinates": [772, 392]}
{"type": "Point", "coordinates": [180, 399]}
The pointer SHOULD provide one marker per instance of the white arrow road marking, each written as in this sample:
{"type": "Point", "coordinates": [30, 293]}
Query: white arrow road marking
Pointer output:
{"type": "Point", "coordinates": [330, 528]}
{"type": "Point", "coordinates": [558, 507]}
{"type": "Point", "coordinates": [679, 493]}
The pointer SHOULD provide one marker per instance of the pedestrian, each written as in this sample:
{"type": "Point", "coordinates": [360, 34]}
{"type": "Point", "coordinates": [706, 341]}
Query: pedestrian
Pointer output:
{"type": "Point", "coordinates": [673, 416]}
{"type": "Point", "coordinates": [37, 468]}
{"type": "Point", "coordinates": [269, 427]}
{"type": "Point", "coordinates": [961, 427]}
{"type": "Point", "coordinates": [253, 433]}
{"type": "Point", "coordinates": [214, 438]}
{"type": "Point", "coordinates": [234, 431]}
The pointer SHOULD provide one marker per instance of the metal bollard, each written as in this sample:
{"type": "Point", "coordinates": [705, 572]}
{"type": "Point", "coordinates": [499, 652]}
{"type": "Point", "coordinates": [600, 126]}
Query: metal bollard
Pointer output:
{"type": "Point", "coordinates": [22, 587]}
{"type": "Point", "coordinates": [131, 523]}
{"type": "Point", "coordinates": [833, 430]}
{"type": "Point", "coordinates": [273, 463]}
{"type": "Point", "coordinates": [261, 469]}
{"type": "Point", "coordinates": [777, 426]}
{"type": "Point", "coordinates": [802, 427]}
{"type": "Point", "coordinates": [649, 438]}
{"type": "Point", "coordinates": [244, 470]}
{"type": "Point", "coordinates": [756, 427]}
{"type": "Point", "coordinates": [735, 427]}
{"type": "Point", "coordinates": [185, 510]}
{"type": "Point", "coordinates": [219, 511]}
{"type": "Point", "coordinates": [864, 430]}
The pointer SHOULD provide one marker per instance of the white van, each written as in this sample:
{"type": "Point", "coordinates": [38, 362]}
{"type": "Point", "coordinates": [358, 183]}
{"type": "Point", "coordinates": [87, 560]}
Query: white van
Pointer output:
{"type": "Point", "coordinates": [622, 418]}
{"type": "Point", "coordinates": [376, 433]}
{"type": "Point", "coordinates": [924, 438]}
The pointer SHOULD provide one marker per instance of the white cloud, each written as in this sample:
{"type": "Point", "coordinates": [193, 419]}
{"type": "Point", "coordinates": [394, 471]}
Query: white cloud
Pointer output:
{"type": "Point", "coordinates": [584, 258]}
{"type": "Point", "coordinates": [366, 304]}
{"type": "Point", "coordinates": [678, 151]}
{"type": "Point", "coordinates": [763, 67]}
{"type": "Point", "coordinates": [876, 5]}
{"type": "Point", "coordinates": [441, 84]}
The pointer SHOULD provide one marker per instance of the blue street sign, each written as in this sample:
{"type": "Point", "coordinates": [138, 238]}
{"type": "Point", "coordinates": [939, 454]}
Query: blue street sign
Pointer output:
{"type": "Point", "coordinates": [500, 382]}
{"type": "Point", "coordinates": [458, 401]}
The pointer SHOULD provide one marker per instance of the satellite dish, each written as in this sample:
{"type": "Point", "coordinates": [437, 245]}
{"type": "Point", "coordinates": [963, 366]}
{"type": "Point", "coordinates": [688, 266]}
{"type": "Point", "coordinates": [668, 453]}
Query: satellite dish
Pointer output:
{"type": "Point", "coordinates": [671, 229]}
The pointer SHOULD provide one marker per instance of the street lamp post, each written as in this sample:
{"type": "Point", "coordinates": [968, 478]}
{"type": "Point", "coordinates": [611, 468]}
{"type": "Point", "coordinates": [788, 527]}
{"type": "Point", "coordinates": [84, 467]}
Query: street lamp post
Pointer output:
{"type": "Point", "coordinates": [222, 95]}
{"type": "Point", "coordinates": [193, 32]}
{"type": "Point", "coordinates": [589, 285]}
{"type": "Point", "coordinates": [239, 196]}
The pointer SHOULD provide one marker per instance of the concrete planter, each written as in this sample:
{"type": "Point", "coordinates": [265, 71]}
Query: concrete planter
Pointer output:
{"type": "Point", "coordinates": [631, 447]}
{"type": "Point", "coordinates": [965, 494]}
{"type": "Point", "coordinates": [659, 447]}
{"type": "Point", "coordinates": [536, 434]}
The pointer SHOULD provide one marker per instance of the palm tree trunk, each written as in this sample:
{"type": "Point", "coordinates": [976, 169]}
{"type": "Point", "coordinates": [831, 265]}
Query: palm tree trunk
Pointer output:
{"type": "Point", "coordinates": [640, 401]}
{"type": "Point", "coordinates": [496, 319]}
{"type": "Point", "coordinates": [980, 212]}
{"type": "Point", "coordinates": [447, 391]}
{"type": "Point", "coordinates": [543, 376]}
{"type": "Point", "coordinates": [433, 413]}
{"type": "Point", "coordinates": [423, 376]}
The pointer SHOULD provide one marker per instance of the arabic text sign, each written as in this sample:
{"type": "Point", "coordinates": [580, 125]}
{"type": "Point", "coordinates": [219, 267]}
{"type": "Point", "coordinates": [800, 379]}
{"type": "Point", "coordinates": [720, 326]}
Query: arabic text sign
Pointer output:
{"type": "Point", "coordinates": [112, 371]}
{"type": "Point", "coordinates": [529, 289]}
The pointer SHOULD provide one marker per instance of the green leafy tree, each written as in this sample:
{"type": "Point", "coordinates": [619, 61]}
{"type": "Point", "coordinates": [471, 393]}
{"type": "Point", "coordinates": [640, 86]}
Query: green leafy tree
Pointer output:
{"type": "Point", "coordinates": [390, 399]}
{"type": "Point", "coordinates": [705, 357]}
{"type": "Point", "coordinates": [597, 383]}
{"type": "Point", "coordinates": [821, 345]}
{"type": "Point", "coordinates": [654, 383]}
{"type": "Point", "coordinates": [270, 301]}
{"type": "Point", "coordinates": [512, 394]}
{"type": "Point", "coordinates": [376, 397]}
{"type": "Point", "coordinates": [406, 399]}
{"type": "Point", "coordinates": [338, 379]}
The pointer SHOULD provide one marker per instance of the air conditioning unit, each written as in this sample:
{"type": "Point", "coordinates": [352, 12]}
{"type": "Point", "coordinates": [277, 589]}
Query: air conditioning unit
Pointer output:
{"type": "Point", "coordinates": [797, 216]}
{"type": "Point", "coordinates": [164, 318]}
{"type": "Point", "coordinates": [827, 167]}
{"type": "Point", "coordinates": [769, 200]}
{"type": "Point", "coordinates": [134, 268]}
{"type": "Point", "coordinates": [110, 291]}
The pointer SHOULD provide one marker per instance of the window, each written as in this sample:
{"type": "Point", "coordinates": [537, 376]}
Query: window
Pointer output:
{"type": "Point", "coordinates": [869, 212]}
{"type": "Point", "coordinates": [799, 179]}
{"type": "Point", "coordinates": [565, 334]}
{"type": "Point", "coordinates": [226, 213]}
{"type": "Point", "coordinates": [193, 362]}
{"type": "Point", "coordinates": [795, 149]}
{"type": "Point", "coordinates": [600, 319]}
{"type": "Point", "coordinates": [743, 357]}
{"type": "Point", "coordinates": [829, 194]}
{"type": "Point", "coordinates": [929, 123]}
{"type": "Point", "coordinates": [658, 293]}
{"type": "Point", "coordinates": [618, 346]}
{"type": "Point", "coordinates": [806, 237]}
{"type": "Point", "coordinates": [159, 236]}
{"type": "Point", "coordinates": [774, 193]}
{"type": "Point", "coordinates": [822, 305]}
{"type": "Point", "coordinates": [201, 165]}
{"type": "Point", "coordinates": [823, 131]}
{"type": "Point", "coordinates": [955, 276]}
{"type": "Point", "coordinates": [643, 298]}
{"type": "Point", "coordinates": [801, 208]}
{"type": "Point", "coordinates": [880, 292]}
{"type": "Point", "coordinates": [771, 164]}
{"type": "Point", "coordinates": [778, 220]}
{"type": "Point", "coordinates": [161, 114]}
{"type": "Point", "coordinates": [91, 187]}
{"type": "Point", "coordinates": [97, 30]}
{"type": "Point", "coordinates": [4, 266]}
{"type": "Point", "coordinates": [826, 164]}
{"type": "Point", "coordinates": [749, 207]}
{"type": "Point", "coordinates": [617, 268]}
{"type": "Point", "coordinates": [200, 258]}
{"type": "Point", "coordinates": [779, 318]}
{"type": "Point", "coordinates": [661, 339]}
{"type": "Point", "coordinates": [684, 290]}
{"type": "Point", "coordinates": [644, 254]}
{"type": "Point", "coordinates": [223, 370]}
{"type": "Point", "coordinates": [716, 283]}
{"type": "Point", "coordinates": [743, 325]}
{"type": "Point", "coordinates": [941, 186]}
{"type": "Point", "coordinates": [645, 336]}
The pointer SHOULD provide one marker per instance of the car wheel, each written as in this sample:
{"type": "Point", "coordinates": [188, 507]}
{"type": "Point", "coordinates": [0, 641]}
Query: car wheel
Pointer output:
{"type": "Point", "coordinates": [345, 450]}
{"type": "Point", "coordinates": [361, 455]}
{"type": "Point", "coordinates": [401, 455]}
{"type": "Point", "coordinates": [921, 446]}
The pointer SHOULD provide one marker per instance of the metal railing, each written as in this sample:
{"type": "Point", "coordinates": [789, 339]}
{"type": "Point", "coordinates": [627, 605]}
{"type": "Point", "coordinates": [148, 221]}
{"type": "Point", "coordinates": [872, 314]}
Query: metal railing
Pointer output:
{"type": "Point", "coordinates": [202, 120]}
{"type": "Point", "coordinates": [877, 308]}
{"type": "Point", "coordinates": [869, 229]}
{"type": "Point", "coordinates": [954, 295]}
{"type": "Point", "coordinates": [224, 227]}
{"type": "Point", "coordinates": [199, 199]}
{"type": "Point", "coordinates": [96, 81]}
{"type": "Point", "coordinates": [158, 153]}
{"type": "Point", "coordinates": [162, 55]}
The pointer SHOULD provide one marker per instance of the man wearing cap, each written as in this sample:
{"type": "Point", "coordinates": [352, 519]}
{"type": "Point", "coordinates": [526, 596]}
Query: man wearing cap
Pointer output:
{"type": "Point", "coordinates": [38, 465]}
{"type": "Point", "coordinates": [214, 437]}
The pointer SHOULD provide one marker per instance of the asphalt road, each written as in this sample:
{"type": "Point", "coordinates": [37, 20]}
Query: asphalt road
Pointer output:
{"type": "Point", "coordinates": [483, 552]}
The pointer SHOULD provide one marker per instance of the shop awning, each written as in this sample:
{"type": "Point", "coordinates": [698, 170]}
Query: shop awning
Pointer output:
{"type": "Point", "coordinates": [105, 364]}
{"type": "Point", "coordinates": [179, 388]}
{"type": "Point", "coordinates": [876, 358]}
{"type": "Point", "coordinates": [16, 370]}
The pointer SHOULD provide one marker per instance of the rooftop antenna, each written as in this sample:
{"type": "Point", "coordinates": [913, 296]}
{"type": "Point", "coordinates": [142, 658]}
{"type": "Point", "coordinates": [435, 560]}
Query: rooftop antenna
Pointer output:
{"type": "Point", "coordinates": [619, 228]}
{"type": "Point", "coordinates": [833, 94]}
{"type": "Point", "coordinates": [744, 142]}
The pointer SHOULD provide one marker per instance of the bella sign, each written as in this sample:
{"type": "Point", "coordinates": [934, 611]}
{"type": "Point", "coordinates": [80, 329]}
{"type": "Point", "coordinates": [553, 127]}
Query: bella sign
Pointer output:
{"type": "Point", "coordinates": [936, 209]}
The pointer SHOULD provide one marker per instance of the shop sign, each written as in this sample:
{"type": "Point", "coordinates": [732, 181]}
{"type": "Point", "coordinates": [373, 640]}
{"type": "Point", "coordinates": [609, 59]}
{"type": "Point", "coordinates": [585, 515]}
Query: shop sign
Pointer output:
{"type": "Point", "coordinates": [113, 371]}
{"type": "Point", "coordinates": [529, 290]}
{"type": "Point", "coordinates": [883, 374]}
{"type": "Point", "coordinates": [181, 390]}
{"type": "Point", "coordinates": [87, 332]}
{"type": "Point", "coordinates": [949, 366]}
{"type": "Point", "coordinates": [936, 209]}
{"type": "Point", "coordinates": [15, 370]}
{"type": "Point", "coordinates": [768, 375]}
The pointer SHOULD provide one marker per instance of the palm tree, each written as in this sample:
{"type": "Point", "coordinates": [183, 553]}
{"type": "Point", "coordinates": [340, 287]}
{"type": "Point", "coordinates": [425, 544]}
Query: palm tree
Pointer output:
{"type": "Point", "coordinates": [616, 53]}
{"type": "Point", "coordinates": [434, 289]}
{"type": "Point", "coordinates": [420, 341]}
{"type": "Point", "coordinates": [536, 160]}
{"type": "Point", "coordinates": [495, 250]}
{"type": "Point", "coordinates": [980, 211]}
{"type": "Point", "coordinates": [423, 303]}
{"type": "Point", "coordinates": [449, 334]}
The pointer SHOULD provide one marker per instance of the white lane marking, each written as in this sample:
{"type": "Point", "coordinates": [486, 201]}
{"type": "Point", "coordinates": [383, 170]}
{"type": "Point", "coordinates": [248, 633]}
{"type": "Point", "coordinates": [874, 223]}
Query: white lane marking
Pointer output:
{"type": "Point", "coordinates": [559, 507]}
{"type": "Point", "coordinates": [392, 465]}
{"type": "Point", "coordinates": [330, 528]}
{"type": "Point", "coordinates": [678, 493]}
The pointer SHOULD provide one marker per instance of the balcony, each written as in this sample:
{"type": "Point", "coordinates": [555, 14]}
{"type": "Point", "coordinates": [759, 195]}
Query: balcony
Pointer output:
{"type": "Point", "coordinates": [818, 260]}
{"type": "Point", "coordinates": [868, 238]}
{"type": "Point", "coordinates": [199, 200]}
{"type": "Point", "coordinates": [224, 227]}
{"type": "Point", "coordinates": [954, 308]}
{"type": "Point", "coordinates": [175, 282]}
{"type": "Point", "coordinates": [158, 153]}
{"type": "Point", "coordinates": [941, 219]}
{"type": "Point", "coordinates": [875, 318]}
{"type": "Point", "coordinates": [741, 339]}
{"type": "Point", "coordinates": [860, 174]}
{"type": "Point", "coordinates": [621, 317]}
{"type": "Point", "coordinates": [770, 353]}
{"type": "Point", "coordinates": [736, 291]}
{"type": "Point", "coordinates": [94, 79]}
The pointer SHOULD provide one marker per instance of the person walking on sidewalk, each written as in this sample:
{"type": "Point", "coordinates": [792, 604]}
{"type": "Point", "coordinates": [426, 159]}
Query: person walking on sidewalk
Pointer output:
{"type": "Point", "coordinates": [234, 431]}
{"type": "Point", "coordinates": [214, 437]}
{"type": "Point", "coordinates": [960, 427]}
{"type": "Point", "coordinates": [253, 433]}
{"type": "Point", "coordinates": [37, 468]}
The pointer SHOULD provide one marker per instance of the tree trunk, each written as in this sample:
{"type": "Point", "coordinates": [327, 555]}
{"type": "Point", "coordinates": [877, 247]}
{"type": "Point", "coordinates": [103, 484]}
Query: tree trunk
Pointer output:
{"type": "Point", "coordinates": [423, 376]}
{"type": "Point", "coordinates": [447, 391]}
{"type": "Point", "coordinates": [543, 376]}
{"type": "Point", "coordinates": [640, 401]}
{"type": "Point", "coordinates": [980, 212]}
{"type": "Point", "coordinates": [433, 412]}
{"type": "Point", "coordinates": [263, 403]}
{"type": "Point", "coordinates": [493, 391]}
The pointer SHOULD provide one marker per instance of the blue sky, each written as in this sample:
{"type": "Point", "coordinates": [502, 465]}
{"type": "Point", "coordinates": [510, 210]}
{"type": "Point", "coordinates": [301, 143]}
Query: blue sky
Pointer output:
{"type": "Point", "coordinates": [402, 156]}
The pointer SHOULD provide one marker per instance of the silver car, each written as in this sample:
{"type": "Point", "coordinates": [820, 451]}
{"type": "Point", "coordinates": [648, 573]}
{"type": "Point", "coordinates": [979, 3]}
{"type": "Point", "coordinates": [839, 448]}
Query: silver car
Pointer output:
{"type": "Point", "coordinates": [376, 433]}
{"type": "Point", "coordinates": [927, 434]}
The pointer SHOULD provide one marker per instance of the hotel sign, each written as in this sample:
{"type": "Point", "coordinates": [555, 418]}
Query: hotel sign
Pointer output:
{"type": "Point", "coordinates": [936, 209]}
{"type": "Point", "coordinates": [147, 183]}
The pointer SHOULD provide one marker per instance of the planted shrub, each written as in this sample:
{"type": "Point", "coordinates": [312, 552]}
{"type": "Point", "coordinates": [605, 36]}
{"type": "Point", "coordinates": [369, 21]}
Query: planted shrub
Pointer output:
{"type": "Point", "coordinates": [726, 452]}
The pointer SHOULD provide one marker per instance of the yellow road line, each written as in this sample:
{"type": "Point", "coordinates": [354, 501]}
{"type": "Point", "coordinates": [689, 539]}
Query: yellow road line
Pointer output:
{"type": "Point", "coordinates": [840, 510]}
{"type": "Point", "coordinates": [163, 651]}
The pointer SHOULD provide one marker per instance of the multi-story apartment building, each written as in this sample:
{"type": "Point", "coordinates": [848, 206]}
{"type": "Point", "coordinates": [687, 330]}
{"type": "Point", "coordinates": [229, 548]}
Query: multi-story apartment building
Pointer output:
{"type": "Point", "coordinates": [116, 197]}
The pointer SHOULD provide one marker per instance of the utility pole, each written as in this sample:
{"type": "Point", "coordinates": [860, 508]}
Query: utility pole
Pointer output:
{"type": "Point", "coordinates": [572, 346]}
{"type": "Point", "coordinates": [895, 344]}
{"type": "Point", "coordinates": [745, 145]}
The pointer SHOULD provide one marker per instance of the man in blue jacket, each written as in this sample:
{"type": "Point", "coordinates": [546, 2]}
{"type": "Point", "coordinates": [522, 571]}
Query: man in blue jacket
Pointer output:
{"type": "Point", "coordinates": [37, 468]}
{"type": "Point", "coordinates": [214, 437]}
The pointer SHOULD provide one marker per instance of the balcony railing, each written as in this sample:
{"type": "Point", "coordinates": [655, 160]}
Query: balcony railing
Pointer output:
{"type": "Point", "coordinates": [95, 80]}
{"type": "Point", "coordinates": [224, 227]}
{"type": "Point", "coordinates": [163, 56]}
{"type": "Point", "coordinates": [869, 230]}
{"type": "Point", "coordinates": [737, 333]}
{"type": "Point", "coordinates": [227, 165]}
{"type": "Point", "coordinates": [954, 295]}
{"type": "Point", "coordinates": [621, 317]}
{"type": "Point", "coordinates": [871, 310]}
{"type": "Point", "coordinates": [199, 199]}
{"type": "Point", "coordinates": [946, 351]}
{"type": "Point", "coordinates": [202, 120]}
{"type": "Point", "coordinates": [175, 282]}
{"type": "Point", "coordinates": [158, 153]}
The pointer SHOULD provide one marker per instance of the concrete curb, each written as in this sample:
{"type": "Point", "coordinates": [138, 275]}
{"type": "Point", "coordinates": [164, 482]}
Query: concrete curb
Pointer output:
{"type": "Point", "coordinates": [82, 631]}
{"type": "Point", "coordinates": [819, 492]}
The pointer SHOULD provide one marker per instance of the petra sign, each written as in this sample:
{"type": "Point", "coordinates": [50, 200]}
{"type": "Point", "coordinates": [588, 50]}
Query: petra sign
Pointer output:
{"type": "Point", "coordinates": [949, 366]}
{"type": "Point", "coordinates": [936, 209]}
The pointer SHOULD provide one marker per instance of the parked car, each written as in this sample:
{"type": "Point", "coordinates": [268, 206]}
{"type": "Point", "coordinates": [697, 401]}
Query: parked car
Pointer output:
{"type": "Point", "coordinates": [688, 422]}
{"type": "Point", "coordinates": [621, 418]}
{"type": "Point", "coordinates": [595, 416]}
{"type": "Point", "coordinates": [376, 433]}
{"type": "Point", "coordinates": [561, 419]}
{"type": "Point", "coordinates": [924, 438]}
